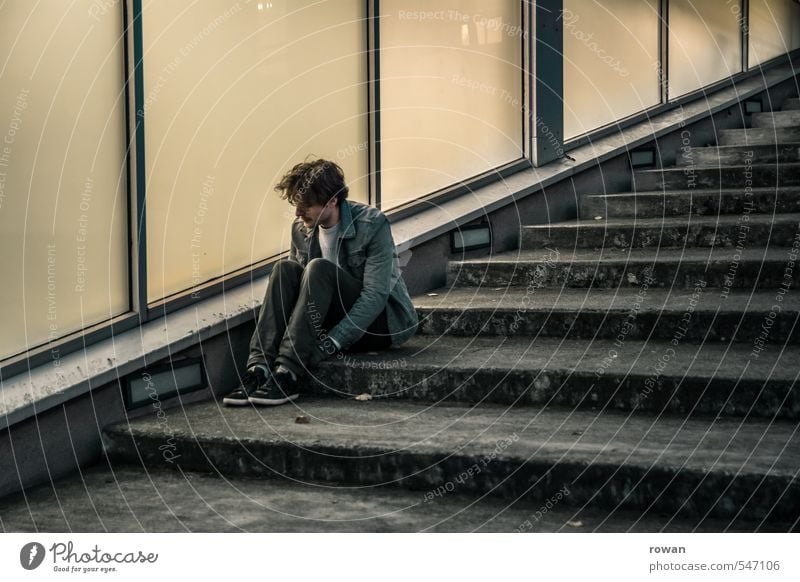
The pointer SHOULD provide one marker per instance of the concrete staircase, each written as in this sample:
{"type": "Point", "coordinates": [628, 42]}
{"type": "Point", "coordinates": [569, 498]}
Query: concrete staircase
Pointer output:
{"type": "Point", "coordinates": [643, 357]}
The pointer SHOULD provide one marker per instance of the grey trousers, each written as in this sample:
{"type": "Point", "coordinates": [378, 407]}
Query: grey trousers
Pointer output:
{"type": "Point", "coordinates": [300, 307]}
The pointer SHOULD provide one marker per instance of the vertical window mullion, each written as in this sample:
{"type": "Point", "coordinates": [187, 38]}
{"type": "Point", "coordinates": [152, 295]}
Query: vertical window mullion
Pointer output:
{"type": "Point", "coordinates": [745, 31]}
{"type": "Point", "coordinates": [140, 218]}
{"type": "Point", "coordinates": [549, 82]}
{"type": "Point", "coordinates": [374, 114]}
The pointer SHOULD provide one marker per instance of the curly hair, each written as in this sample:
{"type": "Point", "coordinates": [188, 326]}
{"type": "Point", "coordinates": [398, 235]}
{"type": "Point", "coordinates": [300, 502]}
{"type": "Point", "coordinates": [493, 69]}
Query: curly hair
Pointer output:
{"type": "Point", "coordinates": [315, 182]}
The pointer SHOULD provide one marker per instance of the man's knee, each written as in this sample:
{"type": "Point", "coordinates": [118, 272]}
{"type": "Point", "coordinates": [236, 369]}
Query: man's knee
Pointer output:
{"type": "Point", "coordinates": [287, 268]}
{"type": "Point", "coordinates": [320, 269]}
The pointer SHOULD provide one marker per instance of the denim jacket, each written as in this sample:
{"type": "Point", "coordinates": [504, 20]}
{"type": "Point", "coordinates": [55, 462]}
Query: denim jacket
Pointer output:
{"type": "Point", "coordinates": [367, 252]}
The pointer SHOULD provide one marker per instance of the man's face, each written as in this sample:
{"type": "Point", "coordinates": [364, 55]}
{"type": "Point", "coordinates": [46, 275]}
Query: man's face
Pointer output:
{"type": "Point", "coordinates": [314, 214]}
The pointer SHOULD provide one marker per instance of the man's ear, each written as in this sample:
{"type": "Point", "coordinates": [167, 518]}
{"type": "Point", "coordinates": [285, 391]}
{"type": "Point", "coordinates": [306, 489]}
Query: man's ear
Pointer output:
{"type": "Point", "coordinates": [333, 202]}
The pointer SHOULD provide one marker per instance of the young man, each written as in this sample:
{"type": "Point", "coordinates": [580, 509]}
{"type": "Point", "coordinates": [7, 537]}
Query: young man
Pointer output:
{"type": "Point", "coordinates": [340, 289]}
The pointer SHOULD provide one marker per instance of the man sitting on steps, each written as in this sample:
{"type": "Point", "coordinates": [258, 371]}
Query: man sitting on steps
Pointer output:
{"type": "Point", "coordinates": [340, 289]}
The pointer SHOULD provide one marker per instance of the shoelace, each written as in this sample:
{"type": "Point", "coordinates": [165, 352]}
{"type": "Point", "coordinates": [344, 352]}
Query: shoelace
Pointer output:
{"type": "Point", "coordinates": [250, 381]}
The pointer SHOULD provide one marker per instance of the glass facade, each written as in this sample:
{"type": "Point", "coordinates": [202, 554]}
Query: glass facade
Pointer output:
{"type": "Point", "coordinates": [704, 44]}
{"type": "Point", "coordinates": [451, 93]}
{"type": "Point", "coordinates": [236, 94]}
{"type": "Point", "coordinates": [774, 29]}
{"type": "Point", "coordinates": [611, 61]}
{"type": "Point", "coordinates": [63, 203]}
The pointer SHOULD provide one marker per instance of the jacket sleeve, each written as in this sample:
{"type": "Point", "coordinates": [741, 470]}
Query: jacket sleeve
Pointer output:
{"type": "Point", "coordinates": [294, 255]}
{"type": "Point", "coordinates": [380, 257]}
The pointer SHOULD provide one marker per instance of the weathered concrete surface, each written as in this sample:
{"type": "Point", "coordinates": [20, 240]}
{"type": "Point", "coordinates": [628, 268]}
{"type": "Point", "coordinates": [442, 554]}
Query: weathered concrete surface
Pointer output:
{"type": "Point", "coordinates": [716, 156]}
{"type": "Point", "coordinates": [126, 499]}
{"type": "Point", "coordinates": [757, 175]}
{"type": "Point", "coordinates": [606, 314]}
{"type": "Point", "coordinates": [655, 376]}
{"type": "Point", "coordinates": [755, 268]}
{"type": "Point", "coordinates": [725, 467]}
{"type": "Point", "coordinates": [776, 119]}
{"type": "Point", "coordinates": [770, 201]}
{"type": "Point", "coordinates": [666, 232]}
{"type": "Point", "coordinates": [759, 135]}
{"type": "Point", "coordinates": [791, 104]}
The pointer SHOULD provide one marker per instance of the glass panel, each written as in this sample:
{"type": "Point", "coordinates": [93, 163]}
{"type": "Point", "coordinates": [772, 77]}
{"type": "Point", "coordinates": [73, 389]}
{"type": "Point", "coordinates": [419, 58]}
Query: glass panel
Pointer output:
{"type": "Point", "coordinates": [774, 29]}
{"type": "Point", "coordinates": [451, 93]}
{"type": "Point", "coordinates": [63, 213]}
{"type": "Point", "coordinates": [611, 62]}
{"type": "Point", "coordinates": [236, 93]}
{"type": "Point", "coordinates": [704, 43]}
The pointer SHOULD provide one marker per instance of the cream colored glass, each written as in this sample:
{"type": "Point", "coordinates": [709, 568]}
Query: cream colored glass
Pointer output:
{"type": "Point", "coordinates": [236, 93]}
{"type": "Point", "coordinates": [704, 43]}
{"type": "Point", "coordinates": [611, 63]}
{"type": "Point", "coordinates": [774, 29]}
{"type": "Point", "coordinates": [62, 170]}
{"type": "Point", "coordinates": [451, 92]}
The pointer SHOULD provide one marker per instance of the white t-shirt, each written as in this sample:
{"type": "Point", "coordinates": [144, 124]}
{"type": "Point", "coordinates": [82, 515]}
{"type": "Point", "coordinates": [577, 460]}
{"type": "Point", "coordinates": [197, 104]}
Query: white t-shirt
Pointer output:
{"type": "Point", "coordinates": [327, 243]}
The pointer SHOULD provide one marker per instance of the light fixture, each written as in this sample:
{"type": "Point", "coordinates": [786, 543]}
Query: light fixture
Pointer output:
{"type": "Point", "coordinates": [160, 382]}
{"type": "Point", "coordinates": [643, 158]}
{"type": "Point", "coordinates": [471, 238]}
{"type": "Point", "coordinates": [753, 106]}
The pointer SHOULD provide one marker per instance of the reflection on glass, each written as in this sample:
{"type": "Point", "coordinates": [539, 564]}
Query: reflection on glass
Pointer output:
{"type": "Point", "coordinates": [235, 94]}
{"type": "Point", "coordinates": [63, 199]}
{"type": "Point", "coordinates": [704, 44]}
{"type": "Point", "coordinates": [451, 93]}
{"type": "Point", "coordinates": [774, 29]}
{"type": "Point", "coordinates": [611, 62]}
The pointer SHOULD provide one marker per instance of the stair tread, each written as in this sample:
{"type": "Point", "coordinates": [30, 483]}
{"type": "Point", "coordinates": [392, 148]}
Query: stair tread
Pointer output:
{"type": "Point", "coordinates": [791, 130]}
{"type": "Point", "coordinates": [669, 221]}
{"type": "Point", "coordinates": [632, 256]}
{"type": "Point", "coordinates": [699, 192]}
{"type": "Point", "coordinates": [758, 135]}
{"type": "Point", "coordinates": [350, 429]}
{"type": "Point", "coordinates": [723, 156]}
{"type": "Point", "coordinates": [712, 360]}
{"type": "Point", "coordinates": [783, 166]}
{"type": "Point", "coordinates": [731, 147]}
{"type": "Point", "coordinates": [129, 499]}
{"type": "Point", "coordinates": [601, 300]}
{"type": "Point", "coordinates": [778, 113]}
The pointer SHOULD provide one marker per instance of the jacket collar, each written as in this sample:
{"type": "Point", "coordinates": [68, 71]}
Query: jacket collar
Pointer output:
{"type": "Point", "coordinates": [348, 227]}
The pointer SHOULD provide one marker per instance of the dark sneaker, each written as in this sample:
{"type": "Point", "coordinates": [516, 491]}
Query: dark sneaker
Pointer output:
{"type": "Point", "coordinates": [280, 390]}
{"type": "Point", "coordinates": [252, 380]}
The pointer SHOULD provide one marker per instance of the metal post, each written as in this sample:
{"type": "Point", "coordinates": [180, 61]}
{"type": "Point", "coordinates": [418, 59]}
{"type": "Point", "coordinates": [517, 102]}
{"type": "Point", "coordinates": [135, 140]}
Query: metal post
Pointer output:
{"type": "Point", "coordinates": [663, 48]}
{"type": "Point", "coordinates": [139, 222]}
{"type": "Point", "coordinates": [745, 31]}
{"type": "Point", "coordinates": [548, 90]}
{"type": "Point", "coordinates": [374, 84]}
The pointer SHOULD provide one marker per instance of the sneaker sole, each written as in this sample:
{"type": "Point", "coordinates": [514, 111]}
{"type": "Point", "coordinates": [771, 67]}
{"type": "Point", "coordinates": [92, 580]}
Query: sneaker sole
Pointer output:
{"type": "Point", "coordinates": [273, 401]}
{"type": "Point", "coordinates": [235, 402]}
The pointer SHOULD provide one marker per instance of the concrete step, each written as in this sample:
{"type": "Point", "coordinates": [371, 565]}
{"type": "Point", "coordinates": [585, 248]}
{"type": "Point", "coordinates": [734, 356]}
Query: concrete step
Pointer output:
{"type": "Point", "coordinates": [774, 119]}
{"type": "Point", "coordinates": [126, 499]}
{"type": "Point", "coordinates": [791, 104]}
{"type": "Point", "coordinates": [716, 156]}
{"type": "Point", "coordinates": [687, 467]}
{"type": "Point", "coordinates": [658, 376]}
{"type": "Point", "coordinates": [759, 135]}
{"type": "Point", "coordinates": [649, 314]}
{"type": "Point", "coordinates": [754, 176]}
{"type": "Point", "coordinates": [751, 268]}
{"type": "Point", "coordinates": [686, 202]}
{"type": "Point", "coordinates": [668, 232]}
